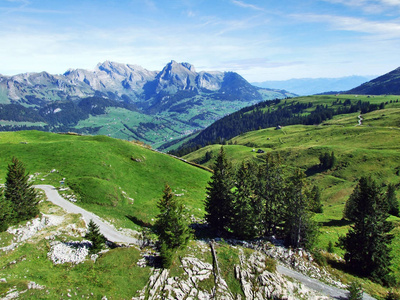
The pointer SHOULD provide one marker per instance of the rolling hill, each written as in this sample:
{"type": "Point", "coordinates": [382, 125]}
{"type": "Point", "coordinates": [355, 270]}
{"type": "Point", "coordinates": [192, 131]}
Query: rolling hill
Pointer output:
{"type": "Point", "coordinates": [119, 180]}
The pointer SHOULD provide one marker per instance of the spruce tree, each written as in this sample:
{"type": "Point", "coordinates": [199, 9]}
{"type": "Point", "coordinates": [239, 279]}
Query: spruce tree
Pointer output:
{"type": "Point", "coordinates": [315, 200]}
{"type": "Point", "coordinates": [219, 197]}
{"type": "Point", "coordinates": [94, 235]}
{"type": "Point", "coordinates": [271, 192]}
{"type": "Point", "coordinates": [171, 226]}
{"type": "Point", "coordinates": [367, 242]}
{"type": "Point", "coordinates": [300, 230]}
{"type": "Point", "coordinates": [20, 193]}
{"type": "Point", "coordinates": [245, 213]}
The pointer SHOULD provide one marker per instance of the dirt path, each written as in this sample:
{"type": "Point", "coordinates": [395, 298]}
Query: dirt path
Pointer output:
{"type": "Point", "coordinates": [360, 119]}
{"type": "Point", "coordinates": [109, 232]}
{"type": "Point", "coordinates": [316, 285]}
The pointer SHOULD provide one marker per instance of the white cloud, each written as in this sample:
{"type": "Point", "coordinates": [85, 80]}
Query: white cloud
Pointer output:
{"type": "Point", "coordinates": [247, 5]}
{"type": "Point", "coordinates": [389, 29]}
{"type": "Point", "coordinates": [370, 6]}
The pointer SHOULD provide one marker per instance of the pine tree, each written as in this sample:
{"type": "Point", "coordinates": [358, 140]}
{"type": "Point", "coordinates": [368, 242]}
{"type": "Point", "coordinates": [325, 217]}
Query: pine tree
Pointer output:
{"type": "Point", "coordinates": [94, 235]}
{"type": "Point", "coordinates": [20, 193]}
{"type": "Point", "coordinates": [300, 229]}
{"type": "Point", "coordinates": [355, 291]}
{"type": "Point", "coordinates": [171, 226]}
{"type": "Point", "coordinates": [315, 200]}
{"type": "Point", "coordinates": [271, 192]}
{"type": "Point", "coordinates": [367, 242]}
{"type": "Point", "coordinates": [219, 198]}
{"type": "Point", "coordinates": [245, 213]}
{"type": "Point", "coordinates": [392, 200]}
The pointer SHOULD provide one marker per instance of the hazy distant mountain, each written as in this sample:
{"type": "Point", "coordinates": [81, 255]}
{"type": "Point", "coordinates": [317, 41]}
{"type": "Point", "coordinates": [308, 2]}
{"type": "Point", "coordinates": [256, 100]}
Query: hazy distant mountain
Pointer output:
{"type": "Point", "coordinates": [126, 101]}
{"type": "Point", "coordinates": [388, 83]}
{"type": "Point", "coordinates": [312, 86]}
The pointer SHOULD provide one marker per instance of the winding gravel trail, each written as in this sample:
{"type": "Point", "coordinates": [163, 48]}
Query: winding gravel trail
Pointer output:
{"type": "Point", "coordinates": [108, 231]}
{"type": "Point", "coordinates": [316, 285]}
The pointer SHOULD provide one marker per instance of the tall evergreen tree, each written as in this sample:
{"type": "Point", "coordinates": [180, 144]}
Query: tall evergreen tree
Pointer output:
{"type": "Point", "coordinates": [171, 225]}
{"type": "Point", "coordinates": [245, 214]}
{"type": "Point", "coordinates": [219, 197]}
{"type": "Point", "coordinates": [20, 193]}
{"type": "Point", "coordinates": [300, 229]}
{"type": "Point", "coordinates": [367, 242]}
{"type": "Point", "coordinates": [271, 192]}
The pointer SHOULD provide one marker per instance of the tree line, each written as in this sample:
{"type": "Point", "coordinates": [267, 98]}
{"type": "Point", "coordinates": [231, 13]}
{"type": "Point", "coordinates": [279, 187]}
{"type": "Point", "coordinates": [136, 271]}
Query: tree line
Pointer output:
{"type": "Point", "coordinates": [270, 114]}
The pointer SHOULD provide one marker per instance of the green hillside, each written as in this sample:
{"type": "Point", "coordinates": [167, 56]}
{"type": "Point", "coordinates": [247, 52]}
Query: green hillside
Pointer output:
{"type": "Point", "coordinates": [113, 178]}
{"type": "Point", "coordinates": [370, 149]}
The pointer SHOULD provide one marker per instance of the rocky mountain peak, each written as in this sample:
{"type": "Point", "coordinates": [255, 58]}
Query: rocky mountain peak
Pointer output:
{"type": "Point", "coordinates": [176, 76]}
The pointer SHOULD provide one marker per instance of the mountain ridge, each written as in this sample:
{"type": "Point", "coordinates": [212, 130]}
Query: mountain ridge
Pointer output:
{"type": "Point", "coordinates": [388, 83]}
{"type": "Point", "coordinates": [152, 106]}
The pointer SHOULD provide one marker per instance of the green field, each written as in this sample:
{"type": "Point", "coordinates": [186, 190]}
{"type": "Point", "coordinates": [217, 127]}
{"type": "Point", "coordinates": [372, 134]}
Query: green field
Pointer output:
{"type": "Point", "coordinates": [113, 178]}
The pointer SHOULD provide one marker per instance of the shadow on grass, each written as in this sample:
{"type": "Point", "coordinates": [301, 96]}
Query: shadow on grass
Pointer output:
{"type": "Point", "coordinates": [336, 223]}
{"type": "Point", "coordinates": [314, 170]}
{"type": "Point", "coordinates": [140, 222]}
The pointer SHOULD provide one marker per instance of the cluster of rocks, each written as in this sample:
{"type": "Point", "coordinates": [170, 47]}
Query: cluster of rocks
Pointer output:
{"type": "Point", "coordinates": [67, 194]}
{"type": "Point", "coordinates": [29, 229]}
{"type": "Point", "coordinates": [203, 280]}
{"type": "Point", "coordinates": [70, 252]}
{"type": "Point", "coordinates": [13, 293]}
{"type": "Point", "coordinates": [259, 283]}
{"type": "Point", "coordinates": [296, 259]}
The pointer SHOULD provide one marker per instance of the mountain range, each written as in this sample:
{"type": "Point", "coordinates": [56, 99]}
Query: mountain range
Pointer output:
{"type": "Point", "coordinates": [312, 86]}
{"type": "Point", "coordinates": [126, 101]}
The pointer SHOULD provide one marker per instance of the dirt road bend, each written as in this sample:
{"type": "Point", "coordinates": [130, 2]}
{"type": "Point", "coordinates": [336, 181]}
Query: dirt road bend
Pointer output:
{"type": "Point", "coordinates": [108, 231]}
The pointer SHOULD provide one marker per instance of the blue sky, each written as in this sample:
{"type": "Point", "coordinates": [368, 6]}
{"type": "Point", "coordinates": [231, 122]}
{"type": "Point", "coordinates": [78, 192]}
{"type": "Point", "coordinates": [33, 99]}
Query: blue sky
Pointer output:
{"type": "Point", "coordinates": [259, 39]}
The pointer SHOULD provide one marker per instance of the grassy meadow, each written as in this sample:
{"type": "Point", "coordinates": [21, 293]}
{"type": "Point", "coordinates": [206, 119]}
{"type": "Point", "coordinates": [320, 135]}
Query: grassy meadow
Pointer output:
{"type": "Point", "coordinates": [119, 180]}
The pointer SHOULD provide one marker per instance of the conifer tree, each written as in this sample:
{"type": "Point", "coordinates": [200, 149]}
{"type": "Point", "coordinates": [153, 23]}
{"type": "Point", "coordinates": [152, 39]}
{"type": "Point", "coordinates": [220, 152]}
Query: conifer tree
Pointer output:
{"type": "Point", "coordinates": [20, 193]}
{"type": "Point", "coordinates": [219, 198]}
{"type": "Point", "coordinates": [245, 213]}
{"type": "Point", "coordinates": [171, 226]}
{"type": "Point", "coordinates": [367, 242]}
{"type": "Point", "coordinates": [94, 235]}
{"type": "Point", "coordinates": [271, 192]}
{"type": "Point", "coordinates": [315, 200]}
{"type": "Point", "coordinates": [300, 229]}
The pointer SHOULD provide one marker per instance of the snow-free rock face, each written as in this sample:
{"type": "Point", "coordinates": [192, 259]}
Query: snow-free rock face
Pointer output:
{"type": "Point", "coordinates": [111, 76]}
{"type": "Point", "coordinates": [131, 83]}
{"type": "Point", "coordinates": [176, 76]}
